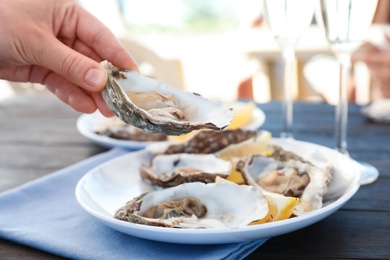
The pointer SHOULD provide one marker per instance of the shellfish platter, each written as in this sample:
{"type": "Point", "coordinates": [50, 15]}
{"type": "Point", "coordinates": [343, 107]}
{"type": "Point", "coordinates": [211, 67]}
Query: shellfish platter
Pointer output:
{"type": "Point", "coordinates": [112, 132]}
{"type": "Point", "coordinates": [245, 186]}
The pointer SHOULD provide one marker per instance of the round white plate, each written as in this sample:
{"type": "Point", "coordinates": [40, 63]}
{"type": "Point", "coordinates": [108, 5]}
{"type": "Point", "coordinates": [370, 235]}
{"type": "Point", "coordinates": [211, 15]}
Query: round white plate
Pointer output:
{"type": "Point", "coordinates": [106, 188]}
{"type": "Point", "coordinates": [86, 122]}
{"type": "Point", "coordinates": [378, 111]}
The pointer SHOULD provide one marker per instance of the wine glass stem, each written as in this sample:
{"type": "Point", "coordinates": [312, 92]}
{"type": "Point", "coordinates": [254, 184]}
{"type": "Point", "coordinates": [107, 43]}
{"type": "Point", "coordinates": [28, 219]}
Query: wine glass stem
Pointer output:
{"type": "Point", "coordinates": [288, 56]}
{"type": "Point", "coordinates": [344, 60]}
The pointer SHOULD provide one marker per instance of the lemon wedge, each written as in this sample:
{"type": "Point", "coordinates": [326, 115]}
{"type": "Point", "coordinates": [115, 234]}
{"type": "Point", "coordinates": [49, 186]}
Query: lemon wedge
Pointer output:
{"type": "Point", "coordinates": [242, 115]}
{"type": "Point", "coordinates": [255, 145]}
{"type": "Point", "coordinates": [183, 138]}
{"type": "Point", "coordinates": [272, 211]}
{"type": "Point", "coordinates": [279, 207]}
{"type": "Point", "coordinates": [284, 204]}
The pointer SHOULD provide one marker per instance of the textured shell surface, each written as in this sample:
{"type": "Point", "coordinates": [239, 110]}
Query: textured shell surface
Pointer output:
{"type": "Point", "coordinates": [226, 205]}
{"type": "Point", "coordinates": [154, 106]}
{"type": "Point", "coordinates": [205, 142]}
{"type": "Point", "coordinates": [175, 169]}
{"type": "Point", "coordinates": [288, 175]}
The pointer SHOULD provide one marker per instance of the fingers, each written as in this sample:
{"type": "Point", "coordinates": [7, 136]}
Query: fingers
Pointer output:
{"type": "Point", "coordinates": [78, 33]}
{"type": "Point", "coordinates": [82, 48]}
{"type": "Point", "coordinates": [70, 64]}
{"type": "Point", "coordinates": [70, 93]}
{"type": "Point", "coordinates": [103, 41]}
{"type": "Point", "coordinates": [373, 58]}
{"type": "Point", "coordinates": [94, 40]}
{"type": "Point", "coordinates": [101, 105]}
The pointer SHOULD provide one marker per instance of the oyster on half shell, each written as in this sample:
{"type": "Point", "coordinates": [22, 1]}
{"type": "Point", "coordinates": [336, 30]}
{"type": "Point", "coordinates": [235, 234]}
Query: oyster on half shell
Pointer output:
{"type": "Point", "coordinates": [288, 174]}
{"type": "Point", "coordinates": [172, 170]}
{"type": "Point", "coordinates": [156, 107]}
{"type": "Point", "coordinates": [197, 205]}
{"type": "Point", "coordinates": [205, 142]}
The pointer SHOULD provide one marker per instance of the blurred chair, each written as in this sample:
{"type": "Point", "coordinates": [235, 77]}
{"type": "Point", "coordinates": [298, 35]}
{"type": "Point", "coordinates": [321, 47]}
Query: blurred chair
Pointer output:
{"type": "Point", "coordinates": [169, 71]}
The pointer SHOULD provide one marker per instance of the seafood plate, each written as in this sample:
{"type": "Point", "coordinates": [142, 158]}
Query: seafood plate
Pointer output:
{"type": "Point", "coordinates": [118, 194]}
{"type": "Point", "coordinates": [273, 171]}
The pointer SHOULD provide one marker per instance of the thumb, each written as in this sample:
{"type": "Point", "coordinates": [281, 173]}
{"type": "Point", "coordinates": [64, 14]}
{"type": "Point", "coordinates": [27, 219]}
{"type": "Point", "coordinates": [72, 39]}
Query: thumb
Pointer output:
{"type": "Point", "coordinates": [74, 66]}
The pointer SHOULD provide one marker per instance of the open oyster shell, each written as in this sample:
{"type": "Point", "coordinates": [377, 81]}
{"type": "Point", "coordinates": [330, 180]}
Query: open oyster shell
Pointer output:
{"type": "Point", "coordinates": [172, 170]}
{"type": "Point", "coordinates": [156, 107]}
{"type": "Point", "coordinates": [197, 205]}
{"type": "Point", "coordinates": [205, 142]}
{"type": "Point", "coordinates": [288, 174]}
{"type": "Point", "coordinates": [116, 128]}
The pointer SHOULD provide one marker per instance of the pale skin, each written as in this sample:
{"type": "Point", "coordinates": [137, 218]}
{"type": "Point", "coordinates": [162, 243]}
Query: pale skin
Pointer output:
{"type": "Point", "coordinates": [59, 44]}
{"type": "Point", "coordinates": [377, 59]}
{"type": "Point", "coordinates": [378, 64]}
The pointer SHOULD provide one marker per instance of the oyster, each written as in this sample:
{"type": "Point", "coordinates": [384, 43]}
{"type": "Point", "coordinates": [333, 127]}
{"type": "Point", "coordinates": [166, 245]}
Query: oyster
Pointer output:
{"type": "Point", "coordinates": [116, 128]}
{"type": "Point", "coordinates": [288, 174]}
{"type": "Point", "coordinates": [205, 142]}
{"type": "Point", "coordinates": [197, 205]}
{"type": "Point", "coordinates": [172, 170]}
{"type": "Point", "coordinates": [153, 106]}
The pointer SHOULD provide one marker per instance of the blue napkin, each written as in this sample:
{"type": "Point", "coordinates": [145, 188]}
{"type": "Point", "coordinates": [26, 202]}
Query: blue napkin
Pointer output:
{"type": "Point", "coordinates": [44, 214]}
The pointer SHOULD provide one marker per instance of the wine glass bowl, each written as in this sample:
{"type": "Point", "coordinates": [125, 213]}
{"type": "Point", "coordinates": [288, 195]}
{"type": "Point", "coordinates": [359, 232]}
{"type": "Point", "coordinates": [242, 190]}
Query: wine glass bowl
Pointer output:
{"type": "Point", "coordinates": [287, 21]}
{"type": "Point", "coordinates": [346, 22]}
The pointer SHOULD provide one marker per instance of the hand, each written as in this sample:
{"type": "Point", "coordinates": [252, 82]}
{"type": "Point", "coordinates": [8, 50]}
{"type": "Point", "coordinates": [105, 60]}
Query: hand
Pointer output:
{"type": "Point", "coordinates": [59, 44]}
{"type": "Point", "coordinates": [378, 64]}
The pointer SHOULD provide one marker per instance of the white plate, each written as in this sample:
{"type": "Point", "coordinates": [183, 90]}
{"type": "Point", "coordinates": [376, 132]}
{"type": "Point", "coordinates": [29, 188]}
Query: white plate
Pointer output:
{"type": "Point", "coordinates": [86, 122]}
{"type": "Point", "coordinates": [108, 187]}
{"type": "Point", "coordinates": [378, 111]}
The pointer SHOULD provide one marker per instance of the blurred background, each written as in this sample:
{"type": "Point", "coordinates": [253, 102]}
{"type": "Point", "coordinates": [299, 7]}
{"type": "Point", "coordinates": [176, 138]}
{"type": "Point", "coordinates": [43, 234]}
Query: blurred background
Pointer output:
{"type": "Point", "coordinates": [221, 49]}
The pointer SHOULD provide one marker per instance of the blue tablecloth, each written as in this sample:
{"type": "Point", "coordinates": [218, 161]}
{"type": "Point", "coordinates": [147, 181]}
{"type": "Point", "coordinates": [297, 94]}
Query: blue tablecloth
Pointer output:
{"type": "Point", "coordinates": [44, 214]}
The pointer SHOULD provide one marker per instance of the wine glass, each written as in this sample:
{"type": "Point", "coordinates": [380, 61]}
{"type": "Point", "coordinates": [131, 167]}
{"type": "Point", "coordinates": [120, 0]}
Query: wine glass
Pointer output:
{"type": "Point", "coordinates": [288, 20]}
{"type": "Point", "coordinates": [346, 22]}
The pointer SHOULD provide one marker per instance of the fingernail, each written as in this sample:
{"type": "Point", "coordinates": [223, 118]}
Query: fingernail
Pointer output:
{"type": "Point", "coordinates": [96, 77]}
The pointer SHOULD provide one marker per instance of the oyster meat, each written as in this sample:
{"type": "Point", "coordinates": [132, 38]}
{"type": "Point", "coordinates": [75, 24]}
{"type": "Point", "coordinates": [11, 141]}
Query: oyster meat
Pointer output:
{"type": "Point", "coordinates": [172, 170]}
{"type": "Point", "coordinates": [153, 106]}
{"type": "Point", "coordinates": [288, 174]}
{"type": "Point", "coordinates": [197, 205]}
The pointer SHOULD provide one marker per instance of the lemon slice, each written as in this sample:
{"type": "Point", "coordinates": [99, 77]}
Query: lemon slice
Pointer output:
{"type": "Point", "coordinates": [235, 176]}
{"type": "Point", "coordinates": [284, 204]}
{"type": "Point", "coordinates": [272, 211]}
{"type": "Point", "coordinates": [279, 207]}
{"type": "Point", "coordinates": [183, 138]}
{"type": "Point", "coordinates": [255, 145]}
{"type": "Point", "coordinates": [242, 115]}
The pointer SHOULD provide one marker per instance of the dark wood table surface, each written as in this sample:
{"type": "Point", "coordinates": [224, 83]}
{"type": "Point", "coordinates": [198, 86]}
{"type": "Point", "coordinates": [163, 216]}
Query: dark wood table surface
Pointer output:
{"type": "Point", "coordinates": [38, 135]}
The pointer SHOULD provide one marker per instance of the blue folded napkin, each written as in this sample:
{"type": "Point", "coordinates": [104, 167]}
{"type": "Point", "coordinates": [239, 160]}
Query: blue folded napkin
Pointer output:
{"type": "Point", "coordinates": [44, 214]}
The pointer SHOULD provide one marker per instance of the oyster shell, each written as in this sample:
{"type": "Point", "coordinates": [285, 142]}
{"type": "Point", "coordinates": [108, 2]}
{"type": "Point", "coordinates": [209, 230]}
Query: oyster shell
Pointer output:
{"type": "Point", "coordinates": [197, 205]}
{"type": "Point", "coordinates": [153, 106]}
{"type": "Point", "coordinates": [172, 170]}
{"type": "Point", "coordinates": [288, 174]}
{"type": "Point", "coordinates": [205, 142]}
{"type": "Point", "coordinates": [116, 128]}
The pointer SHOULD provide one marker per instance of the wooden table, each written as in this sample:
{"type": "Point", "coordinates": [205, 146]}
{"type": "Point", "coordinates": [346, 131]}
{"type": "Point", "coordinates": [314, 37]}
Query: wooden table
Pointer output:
{"type": "Point", "coordinates": [38, 136]}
